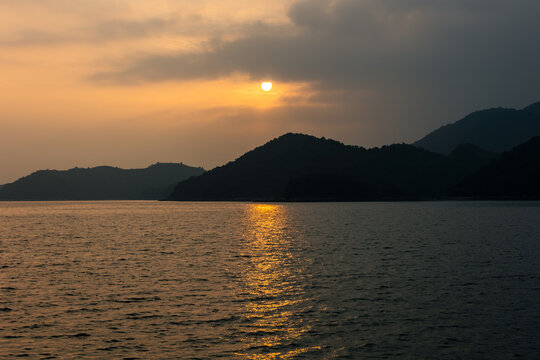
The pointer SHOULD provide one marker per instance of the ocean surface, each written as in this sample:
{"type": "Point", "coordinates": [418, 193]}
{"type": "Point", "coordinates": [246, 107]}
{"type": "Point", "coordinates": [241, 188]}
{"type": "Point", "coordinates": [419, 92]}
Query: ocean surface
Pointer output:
{"type": "Point", "coordinates": [154, 280]}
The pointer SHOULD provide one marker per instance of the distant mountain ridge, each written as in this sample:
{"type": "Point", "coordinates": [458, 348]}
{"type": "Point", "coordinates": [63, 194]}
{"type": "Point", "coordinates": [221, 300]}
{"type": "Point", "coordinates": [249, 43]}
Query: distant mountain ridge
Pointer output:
{"type": "Point", "coordinates": [462, 159]}
{"type": "Point", "coordinates": [99, 183]}
{"type": "Point", "coordinates": [497, 130]}
{"type": "Point", "coordinates": [298, 167]}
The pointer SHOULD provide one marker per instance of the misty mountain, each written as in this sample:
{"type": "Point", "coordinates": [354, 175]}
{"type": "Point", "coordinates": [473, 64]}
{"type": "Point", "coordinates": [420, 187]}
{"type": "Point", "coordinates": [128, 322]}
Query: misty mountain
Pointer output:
{"type": "Point", "coordinates": [496, 130]}
{"type": "Point", "coordinates": [306, 168]}
{"type": "Point", "coordinates": [99, 183]}
{"type": "Point", "coordinates": [514, 175]}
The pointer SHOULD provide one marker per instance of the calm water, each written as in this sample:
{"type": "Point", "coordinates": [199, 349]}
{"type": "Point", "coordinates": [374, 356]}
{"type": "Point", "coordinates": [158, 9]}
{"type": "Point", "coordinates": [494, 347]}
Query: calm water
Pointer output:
{"type": "Point", "coordinates": [149, 280]}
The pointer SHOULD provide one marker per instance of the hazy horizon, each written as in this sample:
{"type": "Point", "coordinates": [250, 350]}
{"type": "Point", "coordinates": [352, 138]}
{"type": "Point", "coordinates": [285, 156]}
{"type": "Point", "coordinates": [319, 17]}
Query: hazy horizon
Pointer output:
{"type": "Point", "coordinates": [129, 83]}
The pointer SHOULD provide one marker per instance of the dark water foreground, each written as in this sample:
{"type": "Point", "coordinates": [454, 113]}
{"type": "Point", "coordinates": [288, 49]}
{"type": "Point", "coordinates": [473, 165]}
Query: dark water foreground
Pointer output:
{"type": "Point", "coordinates": [148, 280]}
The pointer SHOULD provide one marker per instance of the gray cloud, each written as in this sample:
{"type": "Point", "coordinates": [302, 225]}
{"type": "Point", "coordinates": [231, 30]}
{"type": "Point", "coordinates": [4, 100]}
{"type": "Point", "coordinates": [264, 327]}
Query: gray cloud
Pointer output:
{"type": "Point", "coordinates": [429, 61]}
{"type": "Point", "coordinates": [124, 29]}
{"type": "Point", "coordinates": [369, 44]}
{"type": "Point", "coordinates": [100, 32]}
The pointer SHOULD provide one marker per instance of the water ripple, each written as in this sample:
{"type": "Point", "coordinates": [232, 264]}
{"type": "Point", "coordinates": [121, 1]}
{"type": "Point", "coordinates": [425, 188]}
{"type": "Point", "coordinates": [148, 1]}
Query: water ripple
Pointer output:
{"type": "Point", "coordinates": [148, 280]}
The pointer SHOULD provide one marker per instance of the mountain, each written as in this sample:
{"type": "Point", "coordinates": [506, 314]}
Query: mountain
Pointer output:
{"type": "Point", "coordinates": [300, 167]}
{"type": "Point", "coordinates": [470, 157]}
{"type": "Point", "coordinates": [99, 183]}
{"type": "Point", "coordinates": [496, 130]}
{"type": "Point", "coordinates": [514, 175]}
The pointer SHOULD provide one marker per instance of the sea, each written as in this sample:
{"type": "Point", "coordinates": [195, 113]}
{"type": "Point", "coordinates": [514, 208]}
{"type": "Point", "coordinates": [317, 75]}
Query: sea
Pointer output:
{"type": "Point", "coordinates": [240, 280]}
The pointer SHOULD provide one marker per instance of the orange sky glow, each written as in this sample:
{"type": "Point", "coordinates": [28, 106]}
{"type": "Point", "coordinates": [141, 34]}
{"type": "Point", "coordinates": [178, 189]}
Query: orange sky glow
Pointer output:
{"type": "Point", "coordinates": [48, 104]}
{"type": "Point", "coordinates": [130, 82]}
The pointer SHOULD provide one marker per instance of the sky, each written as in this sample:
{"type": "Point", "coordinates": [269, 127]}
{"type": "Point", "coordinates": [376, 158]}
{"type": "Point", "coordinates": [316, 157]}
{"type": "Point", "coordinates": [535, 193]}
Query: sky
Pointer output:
{"type": "Point", "coordinates": [130, 82]}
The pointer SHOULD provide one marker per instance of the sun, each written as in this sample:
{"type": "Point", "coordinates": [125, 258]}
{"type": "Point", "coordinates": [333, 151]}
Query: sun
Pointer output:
{"type": "Point", "coordinates": [266, 86]}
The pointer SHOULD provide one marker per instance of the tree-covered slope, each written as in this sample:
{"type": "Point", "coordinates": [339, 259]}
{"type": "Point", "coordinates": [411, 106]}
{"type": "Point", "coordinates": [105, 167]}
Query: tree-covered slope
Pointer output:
{"type": "Point", "coordinates": [515, 174]}
{"type": "Point", "coordinates": [303, 167]}
{"type": "Point", "coordinates": [99, 183]}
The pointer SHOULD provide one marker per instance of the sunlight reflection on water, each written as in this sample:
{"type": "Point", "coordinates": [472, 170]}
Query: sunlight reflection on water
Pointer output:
{"type": "Point", "coordinates": [272, 282]}
{"type": "Point", "coordinates": [150, 280]}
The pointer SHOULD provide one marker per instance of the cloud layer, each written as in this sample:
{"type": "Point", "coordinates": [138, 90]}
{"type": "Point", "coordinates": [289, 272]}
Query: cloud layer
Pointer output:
{"type": "Point", "coordinates": [458, 45]}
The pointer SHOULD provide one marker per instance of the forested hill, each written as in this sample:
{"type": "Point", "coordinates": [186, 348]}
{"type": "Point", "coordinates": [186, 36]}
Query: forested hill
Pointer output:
{"type": "Point", "coordinates": [99, 183]}
{"type": "Point", "coordinates": [514, 175]}
{"type": "Point", "coordinates": [298, 167]}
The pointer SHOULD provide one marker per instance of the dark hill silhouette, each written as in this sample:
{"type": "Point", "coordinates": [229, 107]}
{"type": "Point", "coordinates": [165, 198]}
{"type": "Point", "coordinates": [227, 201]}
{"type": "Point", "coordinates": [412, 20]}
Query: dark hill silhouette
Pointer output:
{"type": "Point", "coordinates": [471, 158]}
{"type": "Point", "coordinates": [304, 168]}
{"type": "Point", "coordinates": [514, 175]}
{"type": "Point", "coordinates": [496, 130]}
{"type": "Point", "coordinates": [99, 183]}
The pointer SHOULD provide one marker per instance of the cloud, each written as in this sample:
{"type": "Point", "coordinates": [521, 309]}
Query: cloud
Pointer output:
{"type": "Point", "coordinates": [94, 22]}
{"type": "Point", "coordinates": [372, 44]}
{"type": "Point", "coordinates": [392, 70]}
{"type": "Point", "coordinates": [111, 30]}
